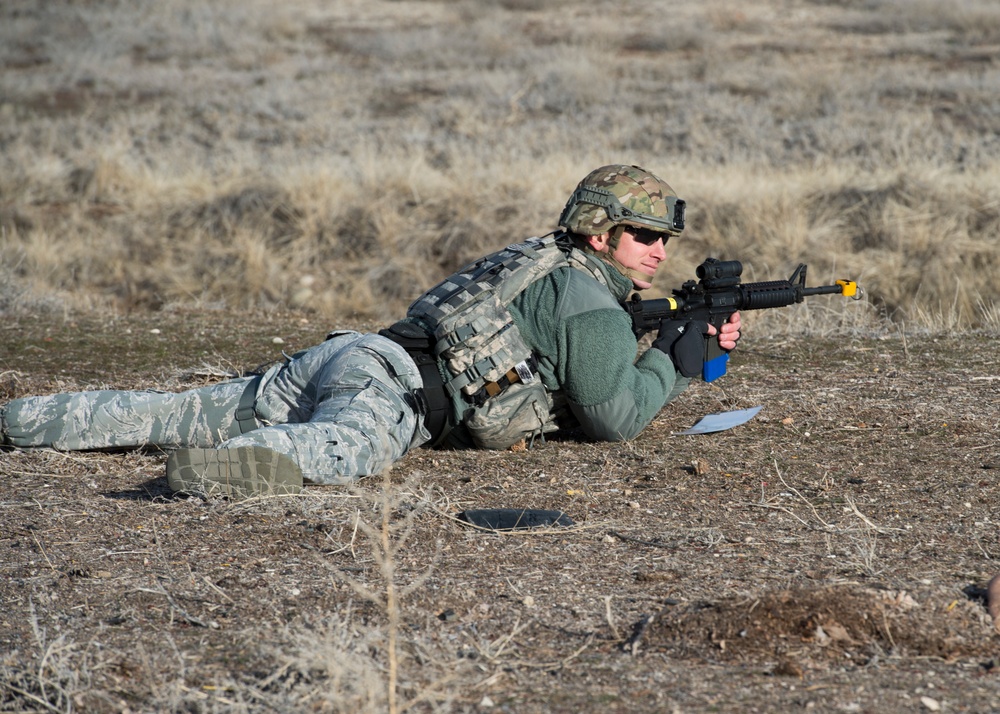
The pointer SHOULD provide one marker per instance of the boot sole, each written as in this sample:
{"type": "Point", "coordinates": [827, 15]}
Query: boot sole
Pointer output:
{"type": "Point", "coordinates": [243, 472]}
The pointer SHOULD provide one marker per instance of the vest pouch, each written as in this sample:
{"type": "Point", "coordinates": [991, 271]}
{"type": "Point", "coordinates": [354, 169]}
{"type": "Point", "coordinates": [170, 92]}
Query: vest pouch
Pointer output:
{"type": "Point", "coordinates": [490, 343]}
{"type": "Point", "coordinates": [522, 411]}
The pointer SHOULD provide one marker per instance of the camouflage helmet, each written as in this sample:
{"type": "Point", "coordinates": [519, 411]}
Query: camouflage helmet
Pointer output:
{"type": "Point", "coordinates": [622, 195]}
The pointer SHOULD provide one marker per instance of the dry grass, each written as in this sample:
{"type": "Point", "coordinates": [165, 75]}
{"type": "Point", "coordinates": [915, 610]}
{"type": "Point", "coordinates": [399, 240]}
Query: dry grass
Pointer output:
{"type": "Point", "coordinates": [340, 157]}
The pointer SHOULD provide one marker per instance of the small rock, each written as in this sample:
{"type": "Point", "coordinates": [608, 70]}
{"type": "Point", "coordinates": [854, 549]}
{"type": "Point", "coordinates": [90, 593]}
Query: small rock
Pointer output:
{"type": "Point", "coordinates": [931, 705]}
{"type": "Point", "coordinates": [837, 632]}
{"type": "Point", "coordinates": [277, 341]}
{"type": "Point", "coordinates": [154, 331]}
{"type": "Point", "coordinates": [486, 702]}
{"type": "Point", "coordinates": [993, 599]}
{"type": "Point", "coordinates": [787, 668]}
{"type": "Point", "coordinates": [301, 296]}
{"type": "Point", "coordinates": [528, 601]}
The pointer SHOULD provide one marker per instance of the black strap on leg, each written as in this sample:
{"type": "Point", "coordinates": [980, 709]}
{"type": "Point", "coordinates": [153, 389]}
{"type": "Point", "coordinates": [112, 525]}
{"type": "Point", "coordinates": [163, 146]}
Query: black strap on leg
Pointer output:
{"type": "Point", "coordinates": [246, 416]}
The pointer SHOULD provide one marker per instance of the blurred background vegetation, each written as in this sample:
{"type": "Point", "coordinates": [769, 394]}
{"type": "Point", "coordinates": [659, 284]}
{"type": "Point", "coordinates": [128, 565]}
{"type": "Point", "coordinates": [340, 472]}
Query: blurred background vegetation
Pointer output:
{"type": "Point", "coordinates": [339, 157]}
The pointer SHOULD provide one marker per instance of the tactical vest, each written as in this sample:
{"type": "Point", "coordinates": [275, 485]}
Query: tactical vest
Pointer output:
{"type": "Point", "coordinates": [471, 331]}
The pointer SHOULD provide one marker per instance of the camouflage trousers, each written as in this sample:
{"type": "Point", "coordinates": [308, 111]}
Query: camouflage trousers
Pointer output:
{"type": "Point", "coordinates": [340, 410]}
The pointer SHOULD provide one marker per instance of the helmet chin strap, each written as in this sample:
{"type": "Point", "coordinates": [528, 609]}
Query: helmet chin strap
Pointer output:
{"type": "Point", "coordinates": [630, 273]}
{"type": "Point", "coordinates": [614, 238]}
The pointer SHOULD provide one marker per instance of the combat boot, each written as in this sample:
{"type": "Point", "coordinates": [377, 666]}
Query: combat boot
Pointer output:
{"type": "Point", "coordinates": [241, 472]}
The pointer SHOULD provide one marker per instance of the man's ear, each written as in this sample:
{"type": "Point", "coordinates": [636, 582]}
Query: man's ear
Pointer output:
{"type": "Point", "coordinates": [599, 243]}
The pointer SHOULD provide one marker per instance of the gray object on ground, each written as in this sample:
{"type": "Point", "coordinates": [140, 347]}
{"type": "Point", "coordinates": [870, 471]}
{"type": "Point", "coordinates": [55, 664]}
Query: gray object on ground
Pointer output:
{"type": "Point", "coordinates": [722, 421]}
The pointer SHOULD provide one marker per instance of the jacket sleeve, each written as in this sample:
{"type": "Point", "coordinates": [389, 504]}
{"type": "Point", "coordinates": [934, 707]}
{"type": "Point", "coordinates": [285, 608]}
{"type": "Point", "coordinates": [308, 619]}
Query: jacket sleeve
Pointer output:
{"type": "Point", "coordinates": [613, 395]}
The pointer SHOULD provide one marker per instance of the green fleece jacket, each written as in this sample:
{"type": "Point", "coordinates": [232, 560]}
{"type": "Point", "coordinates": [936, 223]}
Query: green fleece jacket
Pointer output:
{"type": "Point", "coordinates": [586, 351]}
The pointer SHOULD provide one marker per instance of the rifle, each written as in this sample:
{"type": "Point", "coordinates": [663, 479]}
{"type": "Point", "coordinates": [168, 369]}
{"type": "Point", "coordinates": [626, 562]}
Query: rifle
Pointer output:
{"type": "Point", "coordinates": [717, 295]}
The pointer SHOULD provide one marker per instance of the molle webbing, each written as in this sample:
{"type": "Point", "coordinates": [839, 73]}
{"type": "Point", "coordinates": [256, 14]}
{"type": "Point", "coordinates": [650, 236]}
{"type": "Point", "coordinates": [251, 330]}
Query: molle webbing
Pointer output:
{"type": "Point", "coordinates": [474, 334]}
{"type": "Point", "coordinates": [463, 287]}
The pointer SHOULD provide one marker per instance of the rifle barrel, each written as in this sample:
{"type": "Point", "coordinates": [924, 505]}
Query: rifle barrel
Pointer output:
{"type": "Point", "coordinates": [824, 290]}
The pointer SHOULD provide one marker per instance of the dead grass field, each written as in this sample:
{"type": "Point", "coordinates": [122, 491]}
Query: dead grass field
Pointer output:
{"type": "Point", "coordinates": [336, 157]}
{"type": "Point", "coordinates": [234, 171]}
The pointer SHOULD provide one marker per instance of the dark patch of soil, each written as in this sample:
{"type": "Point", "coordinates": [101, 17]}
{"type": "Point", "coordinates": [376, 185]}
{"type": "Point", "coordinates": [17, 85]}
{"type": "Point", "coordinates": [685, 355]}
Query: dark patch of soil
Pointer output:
{"type": "Point", "coordinates": [816, 624]}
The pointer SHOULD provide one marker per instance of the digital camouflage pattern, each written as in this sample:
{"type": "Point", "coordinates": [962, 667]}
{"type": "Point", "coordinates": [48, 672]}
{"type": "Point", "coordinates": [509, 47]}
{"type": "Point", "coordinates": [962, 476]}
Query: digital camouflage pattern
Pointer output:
{"type": "Point", "coordinates": [636, 189]}
{"type": "Point", "coordinates": [340, 410]}
{"type": "Point", "coordinates": [108, 419]}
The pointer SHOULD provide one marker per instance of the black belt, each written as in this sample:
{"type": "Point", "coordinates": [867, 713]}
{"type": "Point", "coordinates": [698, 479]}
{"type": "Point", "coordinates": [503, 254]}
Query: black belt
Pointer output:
{"type": "Point", "coordinates": [431, 399]}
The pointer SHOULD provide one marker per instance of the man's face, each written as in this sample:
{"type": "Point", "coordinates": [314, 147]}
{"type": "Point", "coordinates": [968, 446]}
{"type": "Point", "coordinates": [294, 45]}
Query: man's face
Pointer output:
{"type": "Point", "coordinates": [643, 256]}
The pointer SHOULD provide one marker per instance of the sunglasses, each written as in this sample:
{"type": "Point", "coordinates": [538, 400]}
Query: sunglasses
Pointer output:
{"type": "Point", "coordinates": [647, 236]}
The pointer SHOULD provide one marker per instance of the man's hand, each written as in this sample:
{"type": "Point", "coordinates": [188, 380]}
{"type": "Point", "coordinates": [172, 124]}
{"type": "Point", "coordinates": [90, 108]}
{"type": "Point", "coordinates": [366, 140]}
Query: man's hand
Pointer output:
{"type": "Point", "coordinates": [729, 335]}
{"type": "Point", "coordinates": [683, 341]}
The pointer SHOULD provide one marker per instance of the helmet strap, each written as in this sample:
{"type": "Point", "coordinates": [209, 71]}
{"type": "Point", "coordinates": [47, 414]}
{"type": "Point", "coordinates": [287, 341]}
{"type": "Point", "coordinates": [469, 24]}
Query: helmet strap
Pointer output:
{"type": "Point", "coordinates": [615, 236]}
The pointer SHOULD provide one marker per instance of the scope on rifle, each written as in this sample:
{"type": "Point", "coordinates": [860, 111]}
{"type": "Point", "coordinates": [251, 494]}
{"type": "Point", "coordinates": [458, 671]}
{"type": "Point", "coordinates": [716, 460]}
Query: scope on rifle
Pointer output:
{"type": "Point", "coordinates": [719, 273]}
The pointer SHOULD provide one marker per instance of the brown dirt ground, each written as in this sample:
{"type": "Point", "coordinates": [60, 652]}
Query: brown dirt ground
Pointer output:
{"type": "Point", "coordinates": [829, 555]}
